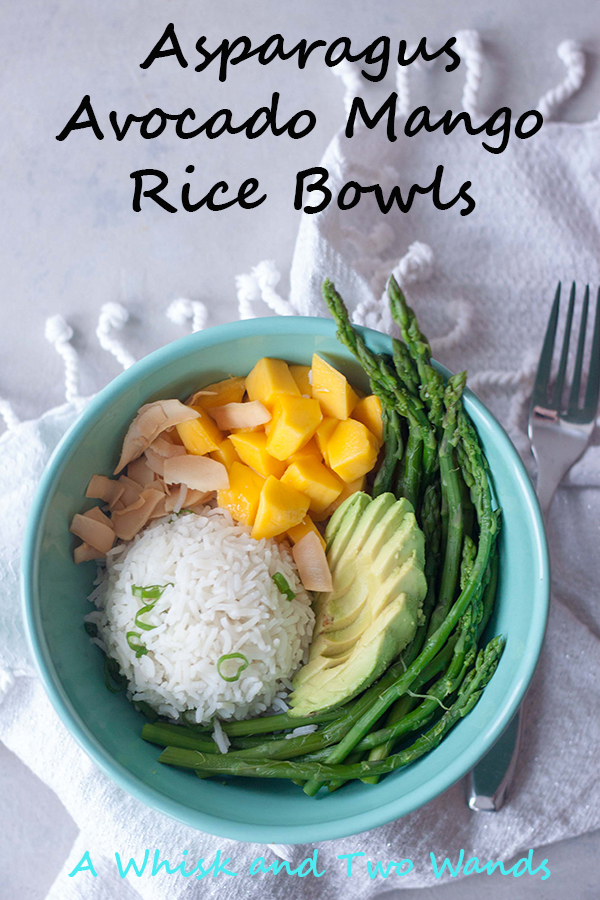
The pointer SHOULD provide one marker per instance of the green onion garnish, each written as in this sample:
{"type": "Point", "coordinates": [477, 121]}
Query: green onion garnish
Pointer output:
{"type": "Point", "coordinates": [113, 675]}
{"type": "Point", "coordinates": [138, 648]}
{"type": "Point", "coordinates": [283, 586]}
{"type": "Point", "coordinates": [151, 592]}
{"type": "Point", "coordinates": [146, 710]}
{"type": "Point", "coordinates": [243, 665]}
{"type": "Point", "coordinates": [91, 628]}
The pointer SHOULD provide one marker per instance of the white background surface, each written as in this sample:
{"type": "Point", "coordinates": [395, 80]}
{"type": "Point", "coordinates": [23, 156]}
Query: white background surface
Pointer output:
{"type": "Point", "coordinates": [71, 242]}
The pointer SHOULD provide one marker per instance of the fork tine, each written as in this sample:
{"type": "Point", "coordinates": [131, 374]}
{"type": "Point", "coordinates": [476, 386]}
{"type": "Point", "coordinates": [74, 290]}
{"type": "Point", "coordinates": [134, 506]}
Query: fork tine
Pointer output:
{"type": "Point", "coordinates": [593, 385]}
{"type": "Point", "coordinates": [564, 355]}
{"type": "Point", "coordinates": [576, 384]}
{"type": "Point", "coordinates": [542, 378]}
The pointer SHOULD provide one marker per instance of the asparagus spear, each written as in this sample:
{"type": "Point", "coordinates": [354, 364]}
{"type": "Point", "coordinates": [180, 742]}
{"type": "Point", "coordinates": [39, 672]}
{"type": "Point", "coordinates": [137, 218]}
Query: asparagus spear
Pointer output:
{"type": "Point", "coordinates": [453, 495]}
{"type": "Point", "coordinates": [393, 452]}
{"type": "Point", "coordinates": [468, 696]}
{"type": "Point", "coordinates": [384, 381]}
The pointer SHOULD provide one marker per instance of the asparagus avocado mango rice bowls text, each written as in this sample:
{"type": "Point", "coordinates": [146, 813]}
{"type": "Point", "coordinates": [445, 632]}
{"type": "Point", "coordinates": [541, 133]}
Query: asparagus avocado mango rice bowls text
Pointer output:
{"type": "Point", "coordinates": [294, 578]}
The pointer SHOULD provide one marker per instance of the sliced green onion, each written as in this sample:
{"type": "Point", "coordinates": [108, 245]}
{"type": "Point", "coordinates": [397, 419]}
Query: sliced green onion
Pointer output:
{"type": "Point", "coordinates": [182, 512]}
{"type": "Point", "coordinates": [283, 586]}
{"type": "Point", "coordinates": [138, 648]}
{"type": "Point", "coordinates": [144, 609]}
{"type": "Point", "coordinates": [243, 665]}
{"type": "Point", "coordinates": [113, 675]}
{"type": "Point", "coordinates": [146, 710]}
{"type": "Point", "coordinates": [91, 628]}
{"type": "Point", "coordinates": [151, 592]}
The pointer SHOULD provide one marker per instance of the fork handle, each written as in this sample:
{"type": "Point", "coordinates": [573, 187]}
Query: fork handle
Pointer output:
{"type": "Point", "coordinates": [490, 780]}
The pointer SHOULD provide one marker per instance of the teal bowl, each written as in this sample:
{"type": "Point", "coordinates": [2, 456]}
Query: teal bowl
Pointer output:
{"type": "Point", "coordinates": [107, 727]}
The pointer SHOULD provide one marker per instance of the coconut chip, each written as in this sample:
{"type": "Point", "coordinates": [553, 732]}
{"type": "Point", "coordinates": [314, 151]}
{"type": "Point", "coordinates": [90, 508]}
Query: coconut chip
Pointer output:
{"type": "Point", "coordinates": [165, 448]}
{"type": "Point", "coordinates": [131, 492]}
{"type": "Point", "coordinates": [91, 531]}
{"type": "Point", "coordinates": [103, 488]}
{"type": "Point", "coordinates": [310, 558]}
{"type": "Point", "coordinates": [140, 472]}
{"type": "Point", "coordinates": [96, 513]}
{"type": "Point", "coordinates": [240, 415]}
{"type": "Point", "coordinates": [197, 472]}
{"type": "Point", "coordinates": [150, 421]}
{"type": "Point", "coordinates": [85, 552]}
{"type": "Point", "coordinates": [128, 522]}
{"type": "Point", "coordinates": [193, 400]}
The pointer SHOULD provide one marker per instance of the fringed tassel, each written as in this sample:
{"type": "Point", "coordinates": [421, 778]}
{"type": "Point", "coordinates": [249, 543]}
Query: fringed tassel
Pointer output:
{"type": "Point", "coordinates": [59, 334]}
{"type": "Point", "coordinates": [468, 47]}
{"type": "Point", "coordinates": [113, 317]}
{"type": "Point", "coordinates": [573, 58]}
{"type": "Point", "coordinates": [260, 284]}
{"type": "Point", "coordinates": [9, 416]}
{"type": "Point", "coordinates": [182, 311]}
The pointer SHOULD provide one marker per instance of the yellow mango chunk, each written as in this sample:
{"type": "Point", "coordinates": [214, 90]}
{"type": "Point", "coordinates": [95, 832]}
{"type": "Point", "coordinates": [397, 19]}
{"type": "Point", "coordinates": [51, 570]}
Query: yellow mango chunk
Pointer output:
{"type": "Point", "coordinates": [295, 420]}
{"type": "Point", "coordinates": [300, 376]}
{"type": "Point", "coordinates": [268, 379]}
{"type": "Point", "coordinates": [296, 533]}
{"type": "Point", "coordinates": [323, 434]}
{"type": "Point", "coordinates": [352, 450]}
{"type": "Point", "coordinates": [200, 436]}
{"type": "Point", "coordinates": [225, 453]}
{"type": "Point", "coordinates": [315, 480]}
{"type": "Point", "coordinates": [231, 390]}
{"type": "Point", "coordinates": [348, 490]}
{"type": "Point", "coordinates": [331, 389]}
{"type": "Point", "coordinates": [280, 508]}
{"type": "Point", "coordinates": [252, 450]}
{"type": "Point", "coordinates": [242, 496]}
{"type": "Point", "coordinates": [369, 412]}
{"type": "Point", "coordinates": [310, 449]}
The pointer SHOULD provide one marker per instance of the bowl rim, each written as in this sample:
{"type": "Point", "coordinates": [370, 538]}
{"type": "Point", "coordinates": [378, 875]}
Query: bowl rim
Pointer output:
{"type": "Point", "coordinates": [293, 834]}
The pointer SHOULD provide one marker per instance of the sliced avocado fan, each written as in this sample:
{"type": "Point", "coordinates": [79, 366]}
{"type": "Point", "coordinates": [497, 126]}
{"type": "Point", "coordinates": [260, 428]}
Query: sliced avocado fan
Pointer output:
{"type": "Point", "coordinates": [375, 551]}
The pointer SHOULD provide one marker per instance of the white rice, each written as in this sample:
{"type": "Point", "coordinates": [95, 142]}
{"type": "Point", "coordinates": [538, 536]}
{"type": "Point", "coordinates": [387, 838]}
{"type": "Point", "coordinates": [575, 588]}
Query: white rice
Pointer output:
{"type": "Point", "coordinates": [223, 600]}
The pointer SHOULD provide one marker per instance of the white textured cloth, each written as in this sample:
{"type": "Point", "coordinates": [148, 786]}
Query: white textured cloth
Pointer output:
{"type": "Point", "coordinates": [485, 282]}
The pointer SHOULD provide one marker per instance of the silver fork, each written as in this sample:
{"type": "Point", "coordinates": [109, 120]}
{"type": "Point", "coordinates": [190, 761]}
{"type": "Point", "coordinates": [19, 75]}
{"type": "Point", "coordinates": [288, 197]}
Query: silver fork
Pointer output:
{"type": "Point", "coordinates": [559, 433]}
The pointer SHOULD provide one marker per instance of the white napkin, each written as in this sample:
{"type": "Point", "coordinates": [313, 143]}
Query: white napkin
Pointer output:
{"type": "Point", "coordinates": [487, 279]}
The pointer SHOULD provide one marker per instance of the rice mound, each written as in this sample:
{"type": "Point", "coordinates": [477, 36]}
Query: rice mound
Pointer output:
{"type": "Point", "coordinates": [223, 600]}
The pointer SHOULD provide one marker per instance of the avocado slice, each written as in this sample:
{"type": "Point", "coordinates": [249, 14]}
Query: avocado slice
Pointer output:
{"type": "Point", "coordinates": [376, 556]}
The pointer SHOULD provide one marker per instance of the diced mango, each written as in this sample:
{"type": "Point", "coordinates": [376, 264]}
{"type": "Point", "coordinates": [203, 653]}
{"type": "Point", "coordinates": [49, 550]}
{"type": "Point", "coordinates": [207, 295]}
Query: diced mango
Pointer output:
{"type": "Point", "coordinates": [242, 496]}
{"type": "Point", "coordinates": [352, 450]}
{"type": "Point", "coordinates": [300, 375]}
{"type": "Point", "coordinates": [296, 533]}
{"type": "Point", "coordinates": [199, 436]}
{"type": "Point", "coordinates": [323, 434]}
{"type": "Point", "coordinates": [349, 489]}
{"type": "Point", "coordinates": [315, 480]}
{"type": "Point", "coordinates": [311, 449]}
{"type": "Point", "coordinates": [368, 411]}
{"type": "Point", "coordinates": [225, 453]}
{"type": "Point", "coordinates": [231, 390]}
{"type": "Point", "coordinates": [331, 389]}
{"type": "Point", "coordinates": [280, 508]}
{"type": "Point", "coordinates": [268, 379]}
{"type": "Point", "coordinates": [252, 450]}
{"type": "Point", "coordinates": [295, 420]}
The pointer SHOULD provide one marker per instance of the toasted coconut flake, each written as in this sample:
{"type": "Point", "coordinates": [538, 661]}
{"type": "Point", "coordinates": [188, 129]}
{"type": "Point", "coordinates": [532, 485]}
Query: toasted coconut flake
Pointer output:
{"type": "Point", "coordinates": [91, 531]}
{"type": "Point", "coordinates": [155, 462]}
{"type": "Point", "coordinates": [310, 558]}
{"type": "Point", "coordinates": [96, 513]}
{"type": "Point", "coordinates": [180, 498]}
{"type": "Point", "coordinates": [85, 552]}
{"type": "Point", "coordinates": [151, 420]}
{"type": "Point", "coordinates": [128, 522]}
{"type": "Point", "coordinates": [193, 400]}
{"type": "Point", "coordinates": [167, 503]}
{"type": "Point", "coordinates": [197, 472]}
{"type": "Point", "coordinates": [193, 498]}
{"type": "Point", "coordinates": [131, 492]}
{"type": "Point", "coordinates": [240, 415]}
{"type": "Point", "coordinates": [103, 488]}
{"type": "Point", "coordinates": [140, 472]}
{"type": "Point", "coordinates": [165, 448]}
